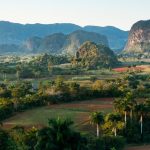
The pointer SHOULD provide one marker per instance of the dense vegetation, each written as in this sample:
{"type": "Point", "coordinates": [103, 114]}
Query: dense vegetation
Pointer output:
{"type": "Point", "coordinates": [47, 65]}
{"type": "Point", "coordinates": [124, 121]}
{"type": "Point", "coordinates": [46, 80]}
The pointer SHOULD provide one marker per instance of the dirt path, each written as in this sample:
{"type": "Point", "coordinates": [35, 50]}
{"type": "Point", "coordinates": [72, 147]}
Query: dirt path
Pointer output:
{"type": "Point", "coordinates": [146, 147]}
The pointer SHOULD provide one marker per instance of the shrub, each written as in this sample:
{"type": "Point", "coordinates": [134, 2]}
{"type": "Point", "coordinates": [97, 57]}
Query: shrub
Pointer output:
{"type": "Point", "coordinates": [6, 110]}
{"type": "Point", "coordinates": [117, 142]}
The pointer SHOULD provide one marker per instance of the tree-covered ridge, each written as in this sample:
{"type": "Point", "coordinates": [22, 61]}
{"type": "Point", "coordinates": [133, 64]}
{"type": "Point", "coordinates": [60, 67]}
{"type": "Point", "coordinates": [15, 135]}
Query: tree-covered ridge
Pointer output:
{"type": "Point", "coordinates": [91, 55]}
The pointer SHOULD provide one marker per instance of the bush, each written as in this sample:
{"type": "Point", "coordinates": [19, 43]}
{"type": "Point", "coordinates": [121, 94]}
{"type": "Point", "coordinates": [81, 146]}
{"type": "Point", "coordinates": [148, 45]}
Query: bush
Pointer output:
{"type": "Point", "coordinates": [6, 110]}
{"type": "Point", "coordinates": [117, 142]}
{"type": "Point", "coordinates": [96, 144]}
{"type": "Point", "coordinates": [106, 143]}
{"type": "Point", "coordinates": [6, 143]}
{"type": "Point", "coordinates": [30, 101]}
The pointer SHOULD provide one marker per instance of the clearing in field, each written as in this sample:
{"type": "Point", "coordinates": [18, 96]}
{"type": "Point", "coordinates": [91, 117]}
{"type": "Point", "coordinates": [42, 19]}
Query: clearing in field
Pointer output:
{"type": "Point", "coordinates": [78, 111]}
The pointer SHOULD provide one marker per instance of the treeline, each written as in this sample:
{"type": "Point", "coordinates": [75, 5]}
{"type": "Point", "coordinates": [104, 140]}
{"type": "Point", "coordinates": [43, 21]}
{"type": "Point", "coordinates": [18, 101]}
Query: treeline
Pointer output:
{"type": "Point", "coordinates": [22, 95]}
{"type": "Point", "coordinates": [34, 67]}
{"type": "Point", "coordinates": [40, 66]}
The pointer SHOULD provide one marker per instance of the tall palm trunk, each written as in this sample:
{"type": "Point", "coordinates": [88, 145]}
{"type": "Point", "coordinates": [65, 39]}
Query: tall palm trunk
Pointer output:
{"type": "Point", "coordinates": [4, 76]}
{"type": "Point", "coordinates": [141, 122]}
{"type": "Point", "coordinates": [97, 130]}
{"type": "Point", "coordinates": [125, 118]}
{"type": "Point", "coordinates": [115, 131]}
{"type": "Point", "coordinates": [131, 115]}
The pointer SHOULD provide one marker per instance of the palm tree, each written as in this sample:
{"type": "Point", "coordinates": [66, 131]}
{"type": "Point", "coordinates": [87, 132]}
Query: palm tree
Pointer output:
{"type": "Point", "coordinates": [49, 66]}
{"type": "Point", "coordinates": [132, 103]}
{"type": "Point", "coordinates": [126, 105]}
{"type": "Point", "coordinates": [4, 74]}
{"type": "Point", "coordinates": [98, 119]}
{"type": "Point", "coordinates": [59, 135]}
{"type": "Point", "coordinates": [115, 121]}
{"type": "Point", "coordinates": [18, 69]}
{"type": "Point", "coordinates": [122, 105]}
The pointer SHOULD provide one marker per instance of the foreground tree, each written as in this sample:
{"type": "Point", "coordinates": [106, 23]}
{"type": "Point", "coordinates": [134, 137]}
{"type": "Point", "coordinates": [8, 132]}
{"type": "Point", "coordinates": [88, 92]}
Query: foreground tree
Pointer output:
{"type": "Point", "coordinates": [59, 135]}
{"type": "Point", "coordinates": [6, 143]}
{"type": "Point", "coordinates": [98, 119]}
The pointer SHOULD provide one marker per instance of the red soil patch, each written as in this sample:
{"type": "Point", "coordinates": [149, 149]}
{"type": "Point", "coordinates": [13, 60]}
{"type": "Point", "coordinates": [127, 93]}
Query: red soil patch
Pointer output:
{"type": "Point", "coordinates": [125, 69]}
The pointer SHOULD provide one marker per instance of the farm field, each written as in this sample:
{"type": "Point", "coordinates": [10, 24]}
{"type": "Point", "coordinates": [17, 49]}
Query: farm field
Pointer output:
{"type": "Point", "coordinates": [78, 111]}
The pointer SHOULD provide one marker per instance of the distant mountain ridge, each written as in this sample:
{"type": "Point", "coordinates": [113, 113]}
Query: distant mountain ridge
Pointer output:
{"type": "Point", "coordinates": [15, 33]}
{"type": "Point", "coordinates": [116, 37]}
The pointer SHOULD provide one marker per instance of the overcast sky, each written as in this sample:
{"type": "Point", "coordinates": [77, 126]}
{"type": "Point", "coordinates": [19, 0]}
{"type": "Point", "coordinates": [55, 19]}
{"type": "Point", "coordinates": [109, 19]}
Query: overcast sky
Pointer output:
{"type": "Point", "coordinates": [119, 13]}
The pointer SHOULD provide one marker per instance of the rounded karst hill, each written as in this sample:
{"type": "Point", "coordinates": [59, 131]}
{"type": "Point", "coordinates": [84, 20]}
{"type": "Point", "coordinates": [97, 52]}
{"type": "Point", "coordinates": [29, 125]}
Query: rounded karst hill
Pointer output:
{"type": "Point", "coordinates": [92, 55]}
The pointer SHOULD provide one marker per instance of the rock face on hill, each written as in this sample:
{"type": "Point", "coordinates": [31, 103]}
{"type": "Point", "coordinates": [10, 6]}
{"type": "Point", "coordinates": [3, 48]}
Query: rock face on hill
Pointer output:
{"type": "Point", "coordinates": [92, 55]}
{"type": "Point", "coordinates": [60, 43]}
{"type": "Point", "coordinates": [139, 38]}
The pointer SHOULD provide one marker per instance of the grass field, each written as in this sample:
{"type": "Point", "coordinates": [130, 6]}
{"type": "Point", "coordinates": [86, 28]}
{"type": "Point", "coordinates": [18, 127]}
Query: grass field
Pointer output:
{"type": "Point", "coordinates": [78, 111]}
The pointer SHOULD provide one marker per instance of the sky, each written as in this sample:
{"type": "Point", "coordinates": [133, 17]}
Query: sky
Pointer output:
{"type": "Point", "coordinates": [119, 13]}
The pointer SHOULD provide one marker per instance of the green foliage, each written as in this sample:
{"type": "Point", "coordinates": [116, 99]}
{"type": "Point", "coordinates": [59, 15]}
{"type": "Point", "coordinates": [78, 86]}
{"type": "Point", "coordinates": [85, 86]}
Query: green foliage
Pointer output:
{"type": "Point", "coordinates": [6, 108]}
{"type": "Point", "coordinates": [106, 143]}
{"type": "Point", "coordinates": [97, 118]}
{"type": "Point", "coordinates": [95, 143]}
{"type": "Point", "coordinates": [117, 142]}
{"type": "Point", "coordinates": [113, 122]}
{"type": "Point", "coordinates": [6, 142]}
{"type": "Point", "coordinates": [20, 89]}
{"type": "Point", "coordinates": [24, 139]}
{"type": "Point", "coordinates": [4, 91]}
{"type": "Point", "coordinates": [59, 135]}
